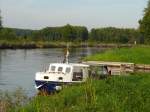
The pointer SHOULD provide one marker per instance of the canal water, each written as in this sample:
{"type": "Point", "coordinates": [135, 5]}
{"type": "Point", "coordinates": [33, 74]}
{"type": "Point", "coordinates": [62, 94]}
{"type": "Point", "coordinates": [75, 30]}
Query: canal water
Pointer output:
{"type": "Point", "coordinates": [18, 67]}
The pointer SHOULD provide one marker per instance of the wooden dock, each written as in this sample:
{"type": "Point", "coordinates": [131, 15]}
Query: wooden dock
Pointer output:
{"type": "Point", "coordinates": [142, 68]}
{"type": "Point", "coordinates": [119, 68]}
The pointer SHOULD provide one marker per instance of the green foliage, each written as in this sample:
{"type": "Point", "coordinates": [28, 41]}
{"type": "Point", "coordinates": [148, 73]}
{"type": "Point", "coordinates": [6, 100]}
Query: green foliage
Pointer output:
{"type": "Point", "coordinates": [145, 23]}
{"type": "Point", "coordinates": [0, 21]}
{"type": "Point", "coordinates": [23, 32]}
{"type": "Point", "coordinates": [7, 34]}
{"type": "Point", "coordinates": [115, 35]}
{"type": "Point", "coordinates": [115, 94]}
{"type": "Point", "coordinates": [64, 33]}
{"type": "Point", "coordinates": [69, 33]}
{"type": "Point", "coordinates": [136, 55]}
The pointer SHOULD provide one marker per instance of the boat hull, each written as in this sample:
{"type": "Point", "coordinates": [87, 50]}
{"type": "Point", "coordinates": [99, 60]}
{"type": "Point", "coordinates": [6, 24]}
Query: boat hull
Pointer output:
{"type": "Point", "coordinates": [49, 86]}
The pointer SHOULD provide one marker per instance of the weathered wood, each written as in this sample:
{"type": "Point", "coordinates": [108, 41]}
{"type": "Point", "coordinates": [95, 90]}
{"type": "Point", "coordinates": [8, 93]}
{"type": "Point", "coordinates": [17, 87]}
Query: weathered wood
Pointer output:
{"type": "Point", "coordinates": [142, 67]}
{"type": "Point", "coordinates": [107, 63]}
{"type": "Point", "coordinates": [120, 67]}
{"type": "Point", "coordinates": [116, 68]}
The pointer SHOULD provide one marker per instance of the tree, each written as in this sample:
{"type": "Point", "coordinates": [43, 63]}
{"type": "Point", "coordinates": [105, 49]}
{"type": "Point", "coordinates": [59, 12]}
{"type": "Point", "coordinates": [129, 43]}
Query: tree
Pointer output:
{"type": "Point", "coordinates": [7, 34]}
{"type": "Point", "coordinates": [114, 35]}
{"type": "Point", "coordinates": [69, 33]}
{"type": "Point", "coordinates": [0, 20]}
{"type": "Point", "coordinates": [145, 23]}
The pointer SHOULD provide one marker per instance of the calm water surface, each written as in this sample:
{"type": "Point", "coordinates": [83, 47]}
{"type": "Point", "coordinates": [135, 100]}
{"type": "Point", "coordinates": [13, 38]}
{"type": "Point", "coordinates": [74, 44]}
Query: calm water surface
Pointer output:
{"type": "Point", "coordinates": [18, 67]}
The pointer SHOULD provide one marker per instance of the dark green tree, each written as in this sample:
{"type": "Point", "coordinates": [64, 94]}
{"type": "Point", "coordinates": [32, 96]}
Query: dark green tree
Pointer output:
{"type": "Point", "coordinates": [145, 23]}
{"type": "Point", "coordinates": [7, 34]}
{"type": "Point", "coordinates": [114, 35]}
{"type": "Point", "coordinates": [69, 33]}
{"type": "Point", "coordinates": [0, 20]}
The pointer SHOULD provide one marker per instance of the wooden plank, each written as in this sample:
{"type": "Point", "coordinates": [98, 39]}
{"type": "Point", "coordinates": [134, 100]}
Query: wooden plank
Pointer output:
{"type": "Point", "coordinates": [107, 63]}
{"type": "Point", "coordinates": [122, 66]}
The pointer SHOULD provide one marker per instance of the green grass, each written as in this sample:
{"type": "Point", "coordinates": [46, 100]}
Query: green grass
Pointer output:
{"type": "Point", "coordinates": [115, 94]}
{"type": "Point", "coordinates": [137, 55]}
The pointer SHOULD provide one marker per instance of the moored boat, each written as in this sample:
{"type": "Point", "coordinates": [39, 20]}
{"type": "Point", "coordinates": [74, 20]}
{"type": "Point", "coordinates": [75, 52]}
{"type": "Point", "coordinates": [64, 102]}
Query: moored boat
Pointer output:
{"type": "Point", "coordinates": [59, 74]}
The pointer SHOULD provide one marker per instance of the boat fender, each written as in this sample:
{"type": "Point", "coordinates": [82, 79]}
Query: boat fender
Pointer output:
{"type": "Point", "coordinates": [58, 88]}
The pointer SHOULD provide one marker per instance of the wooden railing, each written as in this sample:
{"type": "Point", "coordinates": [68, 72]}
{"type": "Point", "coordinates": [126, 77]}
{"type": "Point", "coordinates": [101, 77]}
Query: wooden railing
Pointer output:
{"type": "Point", "coordinates": [120, 67]}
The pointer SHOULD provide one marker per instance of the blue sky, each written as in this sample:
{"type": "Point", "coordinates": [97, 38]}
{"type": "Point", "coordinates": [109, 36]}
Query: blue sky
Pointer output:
{"type": "Point", "coordinates": [36, 14]}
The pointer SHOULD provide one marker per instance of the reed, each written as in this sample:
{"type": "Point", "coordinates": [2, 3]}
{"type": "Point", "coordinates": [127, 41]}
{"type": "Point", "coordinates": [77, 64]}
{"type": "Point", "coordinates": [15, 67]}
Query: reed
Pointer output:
{"type": "Point", "coordinates": [12, 101]}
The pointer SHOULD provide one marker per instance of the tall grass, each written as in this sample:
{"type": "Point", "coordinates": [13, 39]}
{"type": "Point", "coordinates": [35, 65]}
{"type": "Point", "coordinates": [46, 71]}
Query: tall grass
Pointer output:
{"type": "Point", "coordinates": [16, 44]}
{"type": "Point", "coordinates": [140, 54]}
{"type": "Point", "coordinates": [12, 101]}
{"type": "Point", "coordinates": [28, 44]}
{"type": "Point", "coordinates": [115, 94]}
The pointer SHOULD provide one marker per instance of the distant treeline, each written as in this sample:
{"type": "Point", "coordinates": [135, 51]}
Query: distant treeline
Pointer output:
{"type": "Point", "coordinates": [73, 34]}
{"type": "Point", "coordinates": [115, 35]}
{"type": "Point", "coordinates": [65, 33]}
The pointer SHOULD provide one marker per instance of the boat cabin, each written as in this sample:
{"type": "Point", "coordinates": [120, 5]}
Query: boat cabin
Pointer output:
{"type": "Point", "coordinates": [66, 72]}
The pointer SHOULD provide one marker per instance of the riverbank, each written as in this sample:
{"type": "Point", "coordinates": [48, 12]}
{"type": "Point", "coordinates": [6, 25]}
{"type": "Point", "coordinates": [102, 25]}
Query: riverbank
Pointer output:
{"type": "Point", "coordinates": [115, 94]}
{"type": "Point", "coordinates": [55, 44]}
{"type": "Point", "coordinates": [137, 55]}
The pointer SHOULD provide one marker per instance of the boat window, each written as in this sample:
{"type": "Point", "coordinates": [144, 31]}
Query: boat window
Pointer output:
{"type": "Point", "coordinates": [99, 71]}
{"type": "Point", "coordinates": [60, 69]}
{"type": "Point", "coordinates": [77, 74]}
{"type": "Point", "coordinates": [68, 69]}
{"type": "Point", "coordinates": [53, 68]}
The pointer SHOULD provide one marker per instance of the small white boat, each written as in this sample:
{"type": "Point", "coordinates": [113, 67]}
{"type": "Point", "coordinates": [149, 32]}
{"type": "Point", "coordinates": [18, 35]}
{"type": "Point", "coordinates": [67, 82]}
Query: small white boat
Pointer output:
{"type": "Point", "coordinates": [59, 74]}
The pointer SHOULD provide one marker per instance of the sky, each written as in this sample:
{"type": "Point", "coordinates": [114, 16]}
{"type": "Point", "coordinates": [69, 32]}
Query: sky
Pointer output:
{"type": "Point", "coordinates": [37, 14]}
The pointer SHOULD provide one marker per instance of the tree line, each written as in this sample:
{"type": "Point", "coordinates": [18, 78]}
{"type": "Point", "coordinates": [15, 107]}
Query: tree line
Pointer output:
{"type": "Point", "coordinates": [69, 33]}
{"type": "Point", "coordinates": [64, 33]}
{"type": "Point", "coordinates": [115, 35]}
{"type": "Point", "coordinates": [81, 33]}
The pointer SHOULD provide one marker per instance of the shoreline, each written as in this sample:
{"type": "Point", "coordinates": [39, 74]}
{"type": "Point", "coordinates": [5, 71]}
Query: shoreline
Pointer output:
{"type": "Point", "coordinates": [44, 45]}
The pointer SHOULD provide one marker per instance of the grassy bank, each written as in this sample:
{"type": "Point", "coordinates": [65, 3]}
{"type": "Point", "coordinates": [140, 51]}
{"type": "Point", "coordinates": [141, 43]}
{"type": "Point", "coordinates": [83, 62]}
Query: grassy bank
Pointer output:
{"type": "Point", "coordinates": [33, 44]}
{"type": "Point", "coordinates": [21, 44]}
{"type": "Point", "coordinates": [115, 94]}
{"type": "Point", "coordinates": [138, 55]}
